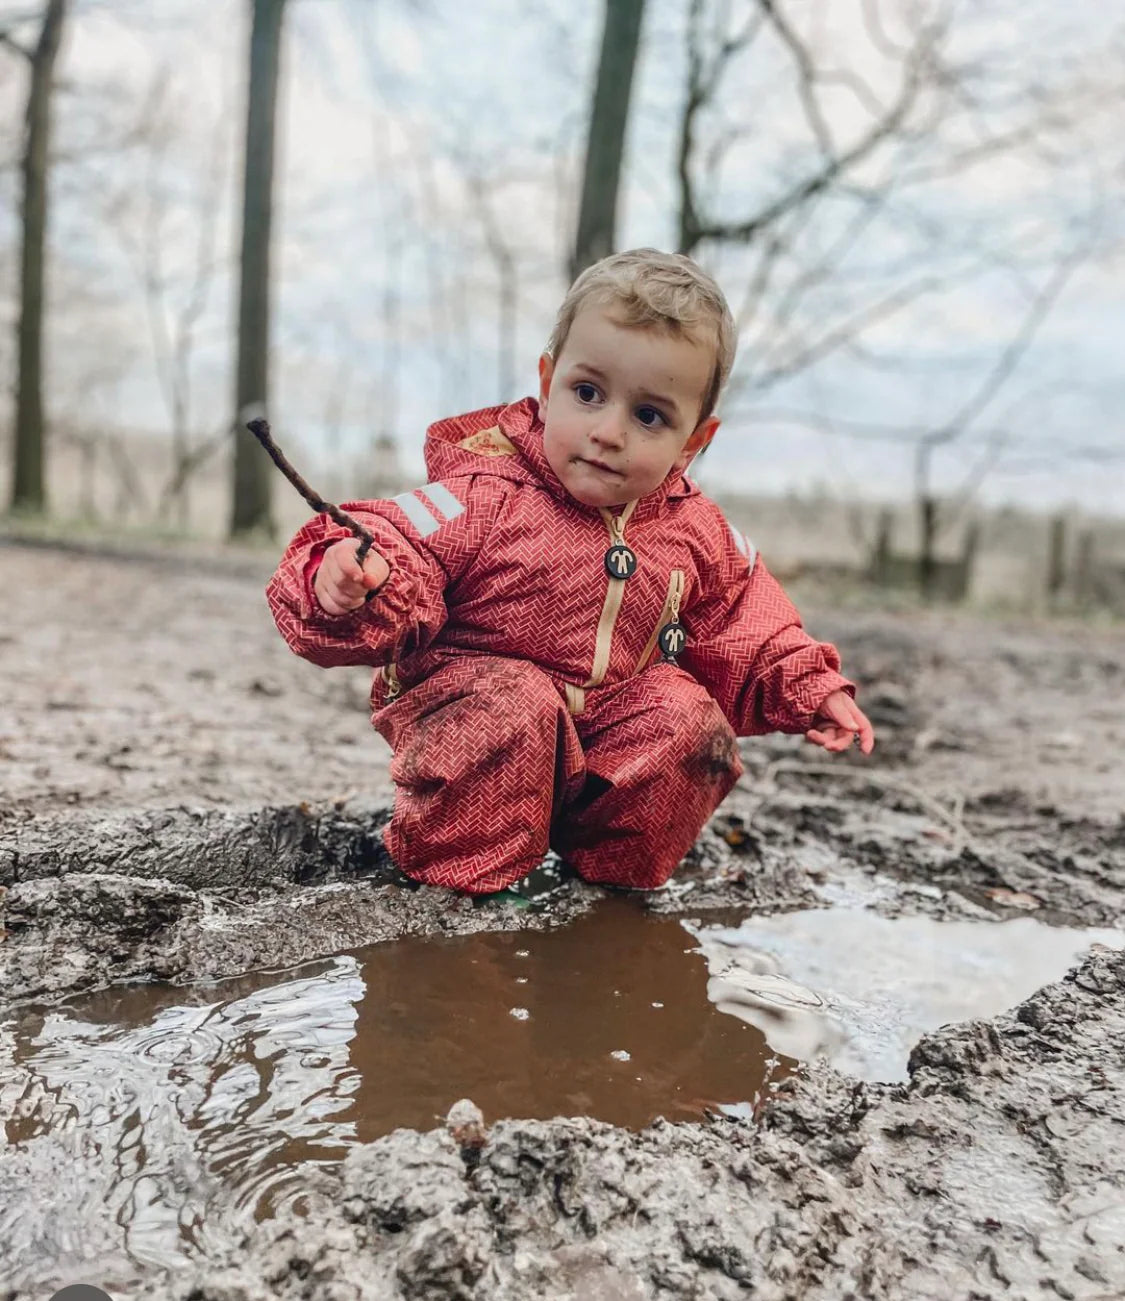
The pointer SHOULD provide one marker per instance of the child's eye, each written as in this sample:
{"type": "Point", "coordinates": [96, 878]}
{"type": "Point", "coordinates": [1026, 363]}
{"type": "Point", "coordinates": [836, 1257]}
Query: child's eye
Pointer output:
{"type": "Point", "coordinates": [650, 417]}
{"type": "Point", "coordinates": [586, 392]}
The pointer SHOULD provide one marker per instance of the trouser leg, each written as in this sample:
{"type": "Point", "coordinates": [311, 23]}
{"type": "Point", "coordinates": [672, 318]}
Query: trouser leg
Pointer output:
{"type": "Point", "coordinates": [660, 758]}
{"type": "Point", "coordinates": [480, 749]}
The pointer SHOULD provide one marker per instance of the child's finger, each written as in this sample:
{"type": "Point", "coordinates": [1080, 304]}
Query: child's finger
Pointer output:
{"type": "Point", "coordinates": [832, 738]}
{"type": "Point", "coordinates": [340, 562]}
{"type": "Point", "coordinates": [344, 589]}
{"type": "Point", "coordinates": [863, 730]}
{"type": "Point", "coordinates": [349, 568]}
{"type": "Point", "coordinates": [848, 715]}
{"type": "Point", "coordinates": [827, 737]}
{"type": "Point", "coordinates": [376, 571]}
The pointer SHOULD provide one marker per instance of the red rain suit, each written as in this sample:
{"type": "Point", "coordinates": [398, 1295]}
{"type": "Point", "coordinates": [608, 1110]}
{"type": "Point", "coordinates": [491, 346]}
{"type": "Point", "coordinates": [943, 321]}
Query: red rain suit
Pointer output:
{"type": "Point", "coordinates": [522, 688]}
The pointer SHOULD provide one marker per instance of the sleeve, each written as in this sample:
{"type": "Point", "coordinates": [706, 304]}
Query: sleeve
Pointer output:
{"type": "Point", "coordinates": [746, 644]}
{"type": "Point", "coordinates": [427, 536]}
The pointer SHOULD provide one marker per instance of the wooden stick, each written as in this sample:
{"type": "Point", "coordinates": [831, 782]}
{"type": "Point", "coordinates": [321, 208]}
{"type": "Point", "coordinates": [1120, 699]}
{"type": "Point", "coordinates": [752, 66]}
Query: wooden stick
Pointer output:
{"type": "Point", "coordinates": [261, 431]}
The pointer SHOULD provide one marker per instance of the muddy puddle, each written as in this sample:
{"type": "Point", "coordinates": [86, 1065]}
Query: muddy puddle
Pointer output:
{"type": "Point", "coordinates": [181, 1115]}
{"type": "Point", "coordinates": [860, 989]}
{"type": "Point", "coordinates": [213, 1104]}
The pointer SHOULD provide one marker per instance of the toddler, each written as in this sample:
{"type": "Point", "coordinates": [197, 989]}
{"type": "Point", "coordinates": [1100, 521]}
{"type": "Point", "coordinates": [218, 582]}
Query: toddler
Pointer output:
{"type": "Point", "coordinates": [568, 635]}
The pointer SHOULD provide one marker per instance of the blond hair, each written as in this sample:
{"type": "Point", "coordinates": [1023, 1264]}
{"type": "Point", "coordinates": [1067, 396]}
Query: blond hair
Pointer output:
{"type": "Point", "coordinates": [650, 289]}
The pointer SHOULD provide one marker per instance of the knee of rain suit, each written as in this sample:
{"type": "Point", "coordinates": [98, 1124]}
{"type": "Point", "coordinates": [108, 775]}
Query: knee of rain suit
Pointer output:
{"type": "Point", "coordinates": [660, 757]}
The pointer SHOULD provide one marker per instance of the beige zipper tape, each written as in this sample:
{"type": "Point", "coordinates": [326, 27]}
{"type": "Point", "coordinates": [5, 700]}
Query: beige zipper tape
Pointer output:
{"type": "Point", "coordinates": [614, 595]}
{"type": "Point", "coordinates": [611, 607]}
{"type": "Point", "coordinates": [575, 698]}
{"type": "Point", "coordinates": [669, 614]}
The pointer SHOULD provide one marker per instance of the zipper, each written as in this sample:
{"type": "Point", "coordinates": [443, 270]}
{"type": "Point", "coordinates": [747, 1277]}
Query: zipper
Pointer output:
{"type": "Point", "coordinates": [670, 614]}
{"type": "Point", "coordinates": [611, 608]}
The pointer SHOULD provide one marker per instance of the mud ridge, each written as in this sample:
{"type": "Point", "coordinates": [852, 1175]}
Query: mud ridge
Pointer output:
{"type": "Point", "coordinates": [200, 894]}
{"type": "Point", "coordinates": [203, 848]}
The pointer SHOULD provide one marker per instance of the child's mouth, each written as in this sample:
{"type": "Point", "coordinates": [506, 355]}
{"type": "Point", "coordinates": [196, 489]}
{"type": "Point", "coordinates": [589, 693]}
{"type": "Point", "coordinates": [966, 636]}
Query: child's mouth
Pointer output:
{"type": "Point", "coordinates": [600, 465]}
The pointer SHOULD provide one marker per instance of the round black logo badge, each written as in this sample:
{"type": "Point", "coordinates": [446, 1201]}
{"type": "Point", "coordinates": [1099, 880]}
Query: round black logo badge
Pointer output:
{"type": "Point", "coordinates": [620, 561]}
{"type": "Point", "coordinates": [673, 639]}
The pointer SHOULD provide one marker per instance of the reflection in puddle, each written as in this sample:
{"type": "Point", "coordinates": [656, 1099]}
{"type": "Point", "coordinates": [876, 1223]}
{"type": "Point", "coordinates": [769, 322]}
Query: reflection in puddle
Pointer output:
{"type": "Point", "coordinates": [870, 987]}
{"type": "Point", "coordinates": [795, 1021]}
{"type": "Point", "coordinates": [181, 1114]}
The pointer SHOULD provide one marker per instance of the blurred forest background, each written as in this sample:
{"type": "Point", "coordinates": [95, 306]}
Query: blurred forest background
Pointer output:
{"type": "Point", "coordinates": [361, 215]}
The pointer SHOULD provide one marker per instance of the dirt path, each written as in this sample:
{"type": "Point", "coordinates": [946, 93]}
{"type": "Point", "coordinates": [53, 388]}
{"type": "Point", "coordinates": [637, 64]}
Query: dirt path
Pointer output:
{"type": "Point", "coordinates": [174, 785]}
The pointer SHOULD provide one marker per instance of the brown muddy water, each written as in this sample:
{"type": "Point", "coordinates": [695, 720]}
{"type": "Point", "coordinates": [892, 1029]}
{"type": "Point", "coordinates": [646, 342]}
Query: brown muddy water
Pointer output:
{"type": "Point", "coordinates": [191, 1111]}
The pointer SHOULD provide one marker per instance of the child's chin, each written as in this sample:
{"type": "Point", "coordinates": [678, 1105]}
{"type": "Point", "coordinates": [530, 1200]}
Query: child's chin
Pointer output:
{"type": "Point", "coordinates": [601, 500]}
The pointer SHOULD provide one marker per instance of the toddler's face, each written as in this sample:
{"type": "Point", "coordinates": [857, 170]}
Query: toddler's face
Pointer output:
{"type": "Point", "coordinates": [620, 407]}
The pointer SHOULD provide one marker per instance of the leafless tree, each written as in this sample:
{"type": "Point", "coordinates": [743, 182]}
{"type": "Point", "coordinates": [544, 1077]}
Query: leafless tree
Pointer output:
{"type": "Point", "coordinates": [823, 201]}
{"type": "Point", "coordinates": [609, 117]}
{"type": "Point", "coordinates": [251, 482]}
{"type": "Point", "coordinates": [29, 489]}
{"type": "Point", "coordinates": [176, 284]}
{"type": "Point", "coordinates": [507, 272]}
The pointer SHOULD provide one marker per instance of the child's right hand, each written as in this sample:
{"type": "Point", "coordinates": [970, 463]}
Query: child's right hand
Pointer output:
{"type": "Point", "coordinates": [340, 584]}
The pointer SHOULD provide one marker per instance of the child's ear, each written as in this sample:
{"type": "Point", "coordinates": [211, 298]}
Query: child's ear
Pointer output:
{"type": "Point", "coordinates": [546, 373]}
{"type": "Point", "coordinates": [701, 435]}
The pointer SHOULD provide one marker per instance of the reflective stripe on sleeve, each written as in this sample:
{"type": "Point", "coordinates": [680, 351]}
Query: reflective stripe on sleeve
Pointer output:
{"type": "Point", "coordinates": [443, 499]}
{"type": "Point", "coordinates": [416, 513]}
{"type": "Point", "coordinates": [744, 545]}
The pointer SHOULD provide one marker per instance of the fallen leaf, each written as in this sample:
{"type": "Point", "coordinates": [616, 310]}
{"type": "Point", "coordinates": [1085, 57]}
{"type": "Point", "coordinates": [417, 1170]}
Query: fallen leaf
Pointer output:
{"type": "Point", "coordinates": [1014, 898]}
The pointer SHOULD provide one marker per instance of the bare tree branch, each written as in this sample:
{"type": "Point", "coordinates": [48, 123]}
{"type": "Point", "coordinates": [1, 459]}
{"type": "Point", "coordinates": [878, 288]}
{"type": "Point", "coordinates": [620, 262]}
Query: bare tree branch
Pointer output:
{"type": "Point", "coordinates": [507, 273]}
{"type": "Point", "coordinates": [846, 331]}
{"type": "Point", "coordinates": [807, 75]}
{"type": "Point", "coordinates": [834, 168]}
{"type": "Point", "coordinates": [703, 86]}
{"type": "Point", "coordinates": [9, 42]}
{"type": "Point", "coordinates": [823, 269]}
{"type": "Point", "coordinates": [873, 21]}
{"type": "Point", "coordinates": [187, 465]}
{"type": "Point", "coordinates": [1012, 355]}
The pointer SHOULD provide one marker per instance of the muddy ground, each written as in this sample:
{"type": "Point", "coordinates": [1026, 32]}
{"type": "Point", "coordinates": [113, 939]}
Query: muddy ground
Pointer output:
{"type": "Point", "coordinates": [181, 798]}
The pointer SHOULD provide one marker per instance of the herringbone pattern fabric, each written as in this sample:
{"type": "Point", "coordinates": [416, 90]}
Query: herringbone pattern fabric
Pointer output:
{"type": "Point", "coordinates": [659, 759]}
{"type": "Point", "coordinates": [491, 770]}
{"type": "Point", "coordinates": [493, 560]}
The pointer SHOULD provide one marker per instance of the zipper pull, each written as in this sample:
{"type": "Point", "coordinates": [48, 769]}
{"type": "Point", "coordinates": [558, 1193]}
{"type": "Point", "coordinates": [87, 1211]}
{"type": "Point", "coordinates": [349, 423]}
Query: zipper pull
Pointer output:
{"type": "Point", "coordinates": [620, 560]}
{"type": "Point", "coordinates": [673, 637]}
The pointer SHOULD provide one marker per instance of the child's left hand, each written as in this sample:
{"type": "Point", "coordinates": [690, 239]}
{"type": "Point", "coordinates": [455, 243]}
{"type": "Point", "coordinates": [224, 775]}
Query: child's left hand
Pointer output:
{"type": "Point", "coordinates": [838, 722]}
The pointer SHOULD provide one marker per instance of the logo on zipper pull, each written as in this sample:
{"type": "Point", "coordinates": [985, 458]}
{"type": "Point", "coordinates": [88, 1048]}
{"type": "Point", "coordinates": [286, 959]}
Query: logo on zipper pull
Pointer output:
{"type": "Point", "coordinates": [620, 561]}
{"type": "Point", "coordinates": [673, 638]}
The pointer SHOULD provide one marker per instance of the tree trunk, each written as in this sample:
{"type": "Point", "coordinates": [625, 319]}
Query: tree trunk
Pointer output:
{"type": "Point", "coordinates": [29, 492]}
{"type": "Point", "coordinates": [597, 217]}
{"type": "Point", "coordinates": [250, 488]}
{"type": "Point", "coordinates": [879, 566]}
{"type": "Point", "coordinates": [927, 542]}
{"type": "Point", "coordinates": [1056, 560]}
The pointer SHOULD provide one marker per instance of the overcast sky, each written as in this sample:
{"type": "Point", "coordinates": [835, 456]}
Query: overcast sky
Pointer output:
{"type": "Point", "coordinates": [407, 127]}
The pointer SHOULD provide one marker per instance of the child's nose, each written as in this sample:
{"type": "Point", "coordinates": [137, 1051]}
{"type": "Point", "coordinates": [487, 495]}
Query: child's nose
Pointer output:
{"type": "Point", "coordinates": [610, 430]}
